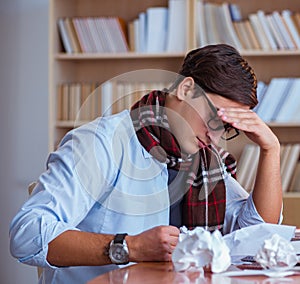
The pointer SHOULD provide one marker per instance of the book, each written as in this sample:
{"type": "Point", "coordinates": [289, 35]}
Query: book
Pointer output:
{"type": "Point", "coordinates": [106, 23]}
{"type": "Point", "coordinates": [285, 92]}
{"type": "Point", "coordinates": [85, 102]}
{"type": "Point", "coordinates": [74, 100]}
{"type": "Point", "coordinates": [252, 168]}
{"type": "Point", "coordinates": [59, 103]}
{"type": "Point", "coordinates": [294, 186]}
{"type": "Point", "coordinates": [287, 17]}
{"type": "Point", "coordinates": [117, 29]}
{"type": "Point", "coordinates": [106, 90]}
{"type": "Point", "coordinates": [157, 22]}
{"type": "Point", "coordinates": [177, 28]}
{"type": "Point", "coordinates": [201, 37]}
{"type": "Point", "coordinates": [280, 42]}
{"type": "Point", "coordinates": [289, 167]}
{"type": "Point", "coordinates": [266, 29]}
{"type": "Point", "coordinates": [65, 37]}
{"type": "Point", "coordinates": [296, 19]}
{"type": "Point", "coordinates": [259, 32]}
{"type": "Point", "coordinates": [273, 98]}
{"type": "Point", "coordinates": [96, 101]}
{"type": "Point", "coordinates": [285, 150]}
{"type": "Point", "coordinates": [279, 23]}
{"type": "Point", "coordinates": [87, 35]}
{"type": "Point", "coordinates": [289, 111]}
{"type": "Point", "coordinates": [244, 163]}
{"type": "Point", "coordinates": [131, 36]}
{"type": "Point", "coordinates": [142, 31]}
{"type": "Point", "coordinates": [235, 12]}
{"type": "Point", "coordinates": [242, 34]}
{"type": "Point", "coordinates": [137, 40]}
{"type": "Point", "coordinates": [65, 101]}
{"type": "Point", "coordinates": [118, 101]}
{"type": "Point", "coordinates": [251, 34]}
{"type": "Point", "coordinates": [228, 33]}
{"type": "Point", "coordinates": [212, 34]}
{"type": "Point", "coordinates": [73, 36]}
{"type": "Point", "coordinates": [80, 34]}
{"type": "Point", "coordinates": [101, 29]}
{"type": "Point", "coordinates": [260, 92]}
{"type": "Point", "coordinates": [94, 34]}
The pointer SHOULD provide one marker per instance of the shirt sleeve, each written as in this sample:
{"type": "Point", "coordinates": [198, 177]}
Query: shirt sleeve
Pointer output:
{"type": "Point", "coordinates": [240, 208]}
{"type": "Point", "coordinates": [63, 196]}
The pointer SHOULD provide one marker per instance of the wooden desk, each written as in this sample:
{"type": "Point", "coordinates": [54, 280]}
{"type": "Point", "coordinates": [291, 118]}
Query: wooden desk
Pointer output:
{"type": "Point", "coordinates": [163, 273]}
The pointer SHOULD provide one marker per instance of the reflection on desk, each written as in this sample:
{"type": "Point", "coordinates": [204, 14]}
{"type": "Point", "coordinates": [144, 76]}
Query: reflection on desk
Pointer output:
{"type": "Point", "coordinates": [163, 272]}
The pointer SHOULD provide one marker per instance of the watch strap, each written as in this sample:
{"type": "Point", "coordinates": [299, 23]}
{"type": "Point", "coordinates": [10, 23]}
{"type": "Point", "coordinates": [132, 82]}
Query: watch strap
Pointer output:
{"type": "Point", "coordinates": [119, 238]}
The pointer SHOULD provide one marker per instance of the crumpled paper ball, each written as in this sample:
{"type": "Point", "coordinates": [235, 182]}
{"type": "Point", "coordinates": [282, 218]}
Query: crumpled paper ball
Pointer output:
{"type": "Point", "coordinates": [277, 254]}
{"type": "Point", "coordinates": [198, 248]}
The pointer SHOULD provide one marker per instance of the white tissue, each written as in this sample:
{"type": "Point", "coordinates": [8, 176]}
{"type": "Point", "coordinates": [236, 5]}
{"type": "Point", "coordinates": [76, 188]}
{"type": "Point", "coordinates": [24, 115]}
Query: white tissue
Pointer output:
{"type": "Point", "coordinates": [277, 254]}
{"type": "Point", "coordinates": [198, 248]}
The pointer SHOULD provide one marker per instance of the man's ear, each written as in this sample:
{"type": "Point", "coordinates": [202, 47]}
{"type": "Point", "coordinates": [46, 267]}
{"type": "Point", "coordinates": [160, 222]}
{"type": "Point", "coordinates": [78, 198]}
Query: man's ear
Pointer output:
{"type": "Point", "coordinates": [185, 88]}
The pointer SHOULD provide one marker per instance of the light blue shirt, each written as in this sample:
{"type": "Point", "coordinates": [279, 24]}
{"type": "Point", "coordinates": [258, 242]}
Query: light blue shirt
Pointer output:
{"type": "Point", "coordinates": [102, 180]}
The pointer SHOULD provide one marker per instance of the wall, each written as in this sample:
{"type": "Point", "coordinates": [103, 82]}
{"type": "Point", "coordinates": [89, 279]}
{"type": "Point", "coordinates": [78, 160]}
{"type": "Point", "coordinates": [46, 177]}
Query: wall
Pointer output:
{"type": "Point", "coordinates": [23, 116]}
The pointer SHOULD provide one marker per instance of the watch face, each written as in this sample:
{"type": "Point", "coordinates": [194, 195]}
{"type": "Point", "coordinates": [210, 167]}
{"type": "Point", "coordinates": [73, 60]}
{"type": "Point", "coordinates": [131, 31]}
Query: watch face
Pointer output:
{"type": "Point", "coordinates": [118, 253]}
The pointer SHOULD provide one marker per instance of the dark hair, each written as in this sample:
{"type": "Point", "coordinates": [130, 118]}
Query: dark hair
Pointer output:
{"type": "Point", "coordinates": [221, 70]}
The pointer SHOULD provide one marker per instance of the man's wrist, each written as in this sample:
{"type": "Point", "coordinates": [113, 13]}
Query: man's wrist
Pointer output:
{"type": "Point", "coordinates": [131, 243]}
{"type": "Point", "coordinates": [118, 249]}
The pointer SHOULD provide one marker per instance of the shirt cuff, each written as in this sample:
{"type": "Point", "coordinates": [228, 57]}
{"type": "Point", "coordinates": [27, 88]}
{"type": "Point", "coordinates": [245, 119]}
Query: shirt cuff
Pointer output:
{"type": "Point", "coordinates": [250, 216]}
{"type": "Point", "coordinates": [40, 259]}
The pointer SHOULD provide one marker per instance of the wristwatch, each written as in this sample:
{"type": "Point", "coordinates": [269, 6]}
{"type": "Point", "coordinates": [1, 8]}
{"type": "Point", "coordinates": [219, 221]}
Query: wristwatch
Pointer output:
{"type": "Point", "coordinates": [118, 250]}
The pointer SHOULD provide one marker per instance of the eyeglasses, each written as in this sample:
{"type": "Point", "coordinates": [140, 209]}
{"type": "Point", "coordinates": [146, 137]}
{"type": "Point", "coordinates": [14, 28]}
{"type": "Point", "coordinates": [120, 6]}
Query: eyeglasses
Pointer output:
{"type": "Point", "coordinates": [216, 124]}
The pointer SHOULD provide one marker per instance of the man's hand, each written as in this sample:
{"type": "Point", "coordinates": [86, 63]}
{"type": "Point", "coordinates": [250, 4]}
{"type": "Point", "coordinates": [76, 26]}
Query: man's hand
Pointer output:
{"type": "Point", "coordinates": [252, 125]}
{"type": "Point", "coordinates": [156, 244]}
{"type": "Point", "coordinates": [267, 188]}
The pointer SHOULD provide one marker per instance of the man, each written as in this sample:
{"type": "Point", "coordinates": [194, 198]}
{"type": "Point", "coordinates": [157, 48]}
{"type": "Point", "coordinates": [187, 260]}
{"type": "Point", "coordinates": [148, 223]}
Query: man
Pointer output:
{"type": "Point", "coordinates": [119, 188]}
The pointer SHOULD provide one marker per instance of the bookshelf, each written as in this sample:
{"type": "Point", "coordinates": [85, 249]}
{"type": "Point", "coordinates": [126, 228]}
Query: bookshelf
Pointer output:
{"type": "Point", "coordinates": [87, 67]}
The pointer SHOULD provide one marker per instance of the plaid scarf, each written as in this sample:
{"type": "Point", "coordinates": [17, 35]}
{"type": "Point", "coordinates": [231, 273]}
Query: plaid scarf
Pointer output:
{"type": "Point", "coordinates": [203, 188]}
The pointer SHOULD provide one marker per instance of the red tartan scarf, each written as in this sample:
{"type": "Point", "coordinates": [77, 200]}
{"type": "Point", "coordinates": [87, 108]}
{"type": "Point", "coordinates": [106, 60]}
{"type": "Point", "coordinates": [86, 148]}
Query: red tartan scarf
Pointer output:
{"type": "Point", "coordinates": [203, 188]}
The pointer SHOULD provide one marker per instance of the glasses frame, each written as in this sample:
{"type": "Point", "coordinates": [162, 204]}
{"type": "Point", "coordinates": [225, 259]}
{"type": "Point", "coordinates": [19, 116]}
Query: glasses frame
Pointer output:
{"type": "Point", "coordinates": [225, 126]}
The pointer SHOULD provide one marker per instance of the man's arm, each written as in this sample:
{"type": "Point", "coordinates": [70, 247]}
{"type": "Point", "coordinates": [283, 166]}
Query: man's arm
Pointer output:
{"type": "Point", "coordinates": [73, 248]}
{"type": "Point", "coordinates": [267, 192]}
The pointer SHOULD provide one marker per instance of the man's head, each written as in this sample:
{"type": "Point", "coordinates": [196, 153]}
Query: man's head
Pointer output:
{"type": "Point", "coordinates": [220, 69]}
{"type": "Point", "coordinates": [211, 78]}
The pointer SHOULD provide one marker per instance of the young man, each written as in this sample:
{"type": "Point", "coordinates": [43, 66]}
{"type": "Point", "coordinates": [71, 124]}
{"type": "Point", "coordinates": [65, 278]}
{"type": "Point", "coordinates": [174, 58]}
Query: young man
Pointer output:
{"type": "Point", "coordinates": [119, 188]}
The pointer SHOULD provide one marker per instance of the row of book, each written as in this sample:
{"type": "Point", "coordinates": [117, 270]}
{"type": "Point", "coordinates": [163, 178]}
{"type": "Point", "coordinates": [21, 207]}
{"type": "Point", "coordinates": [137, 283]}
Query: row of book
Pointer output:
{"type": "Point", "coordinates": [289, 167]}
{"type": "Point", "coordinates": [82, 102]}
{"type": "Point", "coordinates": [167, 29]}
{"type": "Point", "coordinates": [78, 101]}
{"type": "Point", "coordinates": [276, 30]}
{"type": "Point", "coordinates": [160, 29]}
{"type": "Point", "coordinates": [279, 101]}
{"type": "Point", "coordinates": [93, 34]}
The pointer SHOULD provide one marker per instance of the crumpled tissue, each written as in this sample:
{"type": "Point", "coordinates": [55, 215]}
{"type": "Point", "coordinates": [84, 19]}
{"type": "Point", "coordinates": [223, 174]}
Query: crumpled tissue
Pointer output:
{"type": "Point", "coordinates": [198, 248]}
{"type": "Point", "coordinates": [277, 254]}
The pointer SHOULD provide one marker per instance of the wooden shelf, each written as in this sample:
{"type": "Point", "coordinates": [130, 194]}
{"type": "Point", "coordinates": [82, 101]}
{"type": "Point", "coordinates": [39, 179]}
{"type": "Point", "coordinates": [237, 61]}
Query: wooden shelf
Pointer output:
{"type": "Point", "coordinates": [103, 56]}
{"type": "Point", "coordinates": [103, 66]}
{"type": "Point", "coordinates": [292, 195]}
{"type": "Point", "coordinates": [295, 52]}
{"type": "Point", "coordinates": [69, 124]}
{"type": "Point", "coordinates": [132, 55]}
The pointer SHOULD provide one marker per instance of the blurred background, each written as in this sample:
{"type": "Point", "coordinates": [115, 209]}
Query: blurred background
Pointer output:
{"type": "Point", "coordinates": [23, 116]}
